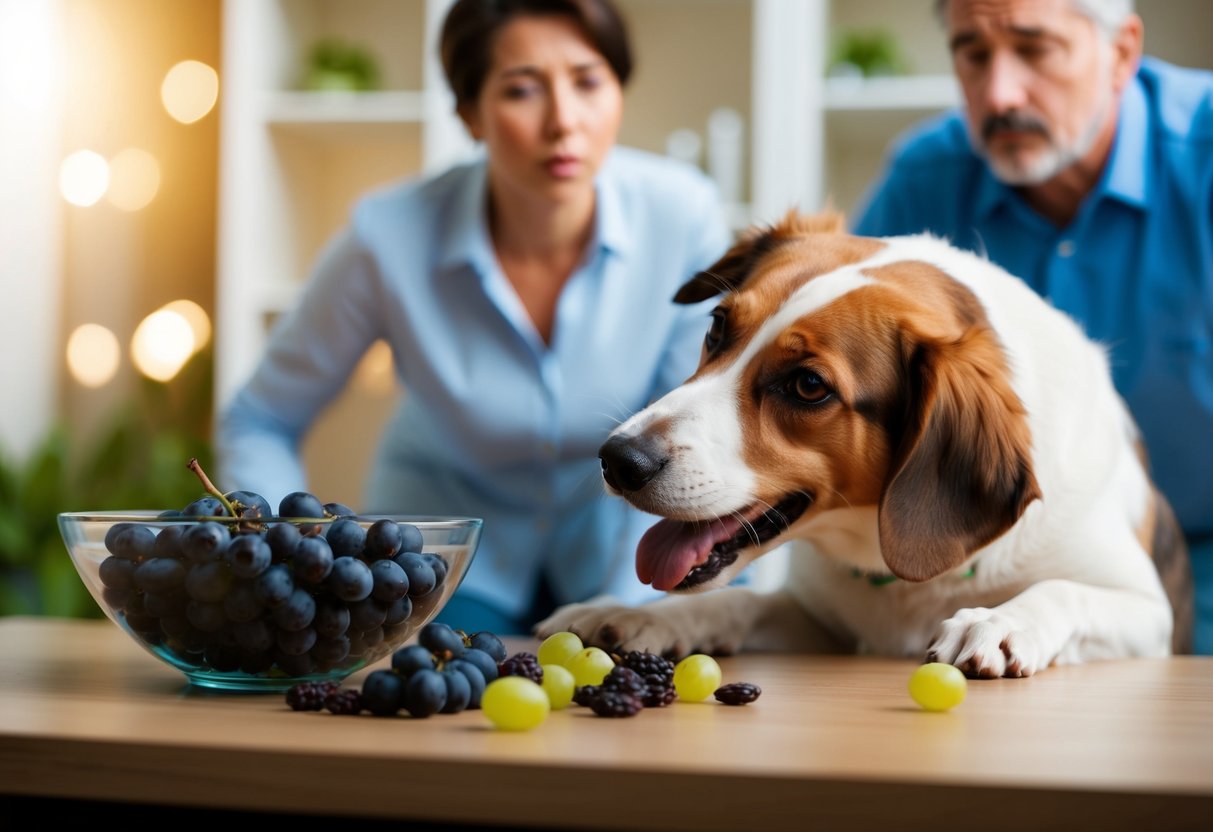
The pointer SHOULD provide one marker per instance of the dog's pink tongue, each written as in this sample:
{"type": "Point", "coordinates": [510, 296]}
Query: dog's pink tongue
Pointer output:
{"type": "Point", "coordinates": [672, 548]}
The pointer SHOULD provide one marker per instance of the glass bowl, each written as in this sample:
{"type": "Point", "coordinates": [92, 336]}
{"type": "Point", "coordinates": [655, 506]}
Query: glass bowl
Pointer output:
{"type": "Point", "coordinates": [227, 619]}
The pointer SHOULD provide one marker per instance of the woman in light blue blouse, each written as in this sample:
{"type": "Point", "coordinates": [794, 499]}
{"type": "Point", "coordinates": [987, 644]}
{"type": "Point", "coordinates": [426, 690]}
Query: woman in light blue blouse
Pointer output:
{"type": "Point", "coordinates": [527, 302]}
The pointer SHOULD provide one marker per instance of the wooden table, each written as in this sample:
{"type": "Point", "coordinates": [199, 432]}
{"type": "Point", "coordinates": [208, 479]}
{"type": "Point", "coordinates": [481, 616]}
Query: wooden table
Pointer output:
{"type": "Point", "coordinates": [833, 743]}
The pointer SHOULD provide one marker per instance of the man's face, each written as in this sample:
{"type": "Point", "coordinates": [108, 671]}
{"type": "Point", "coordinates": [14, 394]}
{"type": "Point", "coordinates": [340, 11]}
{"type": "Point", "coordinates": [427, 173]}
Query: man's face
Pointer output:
{"type": "Point", "coordinates": [1038, 80]}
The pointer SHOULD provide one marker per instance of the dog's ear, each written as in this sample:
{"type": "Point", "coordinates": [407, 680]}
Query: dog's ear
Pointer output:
{"type": "Point", "coordinates": [729, 272]}
{"type": "Point", "coordinates": [962, 472]}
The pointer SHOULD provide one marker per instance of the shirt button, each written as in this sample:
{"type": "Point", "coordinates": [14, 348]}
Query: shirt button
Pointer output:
{"type": "Point", "coordinates": [1065, 248]}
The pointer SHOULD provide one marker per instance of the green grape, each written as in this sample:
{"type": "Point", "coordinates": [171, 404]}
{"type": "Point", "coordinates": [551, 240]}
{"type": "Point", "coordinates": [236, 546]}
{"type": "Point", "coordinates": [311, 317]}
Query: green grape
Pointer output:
{"type": "Point", "coordinates": [937, 686]}
{"type": "Point", "coordinates": [514, 703]}
{"type": "Point", "coordinates": [558, 648]}
{"type": "Point", "coordinates": [589, 666]}
{"type": "Point", "coordinates": [696, 677]}
{"type": "Point", "coordinates": [558, 685]}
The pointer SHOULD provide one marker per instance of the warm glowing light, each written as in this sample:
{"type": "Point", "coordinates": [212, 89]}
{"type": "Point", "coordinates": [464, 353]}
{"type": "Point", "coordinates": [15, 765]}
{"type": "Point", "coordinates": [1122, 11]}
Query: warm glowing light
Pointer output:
{"type": "Point", "coordinates": [374, 372]}
{"type": "Point", "coordinates": [195, 315]}
{"type": "Point", "coordinates": [161, 345]}
{"type": "Point", "coordinates": [92, 355]}
{"type": "Point", "coordinates": [189, 91]}
{"type": "Point", "coordinates": [30, 57]}
{"type": "Point", "coordinates": [83, 177]}
{"type": "Point", "coordinates": [134, 179]}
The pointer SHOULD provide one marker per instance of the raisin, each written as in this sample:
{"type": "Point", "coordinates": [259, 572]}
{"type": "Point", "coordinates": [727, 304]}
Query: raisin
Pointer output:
{"type": "Point", "coordinates": [309, 696]}
{"type": "Point", "coordinates": [738, 693]}
{"type": "Point", "coordinates": [650, 664]}
{"type": "Point", "coordinates": [613, 703]}
{"type": "Point", "coordinates": [345, 702]}
{"type": "Point", "coordinates": [522, 664]}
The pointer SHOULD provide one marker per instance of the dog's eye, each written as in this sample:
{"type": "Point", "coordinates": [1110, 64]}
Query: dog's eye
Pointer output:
{"type": "Point", "coordinates": [715, 336]}
{"type": "Point", "coordinates": [809, 387]}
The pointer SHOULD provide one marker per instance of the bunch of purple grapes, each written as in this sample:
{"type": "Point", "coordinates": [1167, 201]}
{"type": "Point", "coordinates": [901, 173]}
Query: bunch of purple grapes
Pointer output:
{"type": "Point", "coordinates": [241, 591]}
{"type": "Point", "coordinates": [639, 680]}
{"type": "Point", "coordinates": [445, 672]}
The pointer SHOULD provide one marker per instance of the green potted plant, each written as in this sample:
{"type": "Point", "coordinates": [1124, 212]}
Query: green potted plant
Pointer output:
{"type": "Point", "coordinates": [866, 53]}
{"type": "Point", "coordinates": [335, 64]}
{"type": "Point", "coordinates": [135, 462]}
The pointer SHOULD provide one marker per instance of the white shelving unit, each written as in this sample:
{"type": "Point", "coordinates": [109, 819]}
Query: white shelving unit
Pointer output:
{"type": "Point", "coordinates": [861, 116]}
{"type": "Point", "coordinates": [809, 137]}
{"type": "Point", "coordinates": [293, 162]}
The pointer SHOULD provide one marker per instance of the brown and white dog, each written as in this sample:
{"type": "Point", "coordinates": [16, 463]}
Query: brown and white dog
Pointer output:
{"type": "Point", "coordinates": [945, 452]}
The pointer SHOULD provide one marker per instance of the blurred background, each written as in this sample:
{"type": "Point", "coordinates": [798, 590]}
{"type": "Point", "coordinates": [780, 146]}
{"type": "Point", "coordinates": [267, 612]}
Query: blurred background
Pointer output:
{"type": "Point", "coordinates": [170, 168]}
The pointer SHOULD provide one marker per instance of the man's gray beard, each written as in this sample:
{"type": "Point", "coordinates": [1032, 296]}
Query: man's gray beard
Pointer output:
{"type": "Point", "coordinates": [1051, 161]}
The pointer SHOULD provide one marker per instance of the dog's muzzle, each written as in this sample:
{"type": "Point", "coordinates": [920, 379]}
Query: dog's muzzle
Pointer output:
{"type": "Point", "coordinates": [629, 463]}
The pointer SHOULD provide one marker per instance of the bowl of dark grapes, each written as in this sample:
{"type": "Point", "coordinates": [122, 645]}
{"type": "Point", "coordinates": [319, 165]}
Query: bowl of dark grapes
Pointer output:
{"type": "Point", "coordinates": [237, 596]}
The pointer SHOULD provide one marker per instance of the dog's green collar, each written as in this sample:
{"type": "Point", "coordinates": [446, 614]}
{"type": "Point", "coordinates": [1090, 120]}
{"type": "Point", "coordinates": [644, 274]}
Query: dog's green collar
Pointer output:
{"type": "Point", "coordinates": [884, 579]}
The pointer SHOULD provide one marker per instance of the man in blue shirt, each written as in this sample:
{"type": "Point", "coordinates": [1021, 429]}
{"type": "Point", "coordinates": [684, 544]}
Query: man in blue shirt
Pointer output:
{"type": "Point", "coordinates": [1086, 170]}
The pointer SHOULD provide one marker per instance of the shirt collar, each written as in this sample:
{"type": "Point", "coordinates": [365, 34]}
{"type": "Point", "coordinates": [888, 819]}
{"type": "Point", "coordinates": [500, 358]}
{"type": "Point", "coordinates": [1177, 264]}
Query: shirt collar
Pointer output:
{"type": "Point", "coordinates": [611, 233]}
{"type": "Point", "coordinates": [466, 236]}
{"type": "Point", "coordinates": [1125, 177]}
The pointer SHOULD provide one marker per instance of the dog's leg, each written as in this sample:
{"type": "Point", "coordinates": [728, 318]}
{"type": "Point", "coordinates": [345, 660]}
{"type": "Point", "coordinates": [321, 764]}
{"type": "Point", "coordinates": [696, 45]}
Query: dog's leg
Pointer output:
{"type": "Point", "coordinates": [1055, 621]}
{"type": "Point", "coordinates": [720, 622]}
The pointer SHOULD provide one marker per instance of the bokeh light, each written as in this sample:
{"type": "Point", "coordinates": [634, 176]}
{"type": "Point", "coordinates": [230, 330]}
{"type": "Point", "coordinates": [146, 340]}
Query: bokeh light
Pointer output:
{"type": "Point", "coordinates": [92, 355]}
{"type": "Point", "coordinates": [84, 177]}
{"type": "Point", "coordinates": [195, 315]}
{"type": "Point", "coordinates": [134, 179]}
{"type": "Point", "coordinates": [189, 91]}
{"type": "Point", "coordinates": [161, 345]}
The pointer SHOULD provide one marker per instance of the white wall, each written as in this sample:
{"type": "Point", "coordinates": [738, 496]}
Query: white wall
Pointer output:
{"type": "Point", "coordinates": [30, 221]}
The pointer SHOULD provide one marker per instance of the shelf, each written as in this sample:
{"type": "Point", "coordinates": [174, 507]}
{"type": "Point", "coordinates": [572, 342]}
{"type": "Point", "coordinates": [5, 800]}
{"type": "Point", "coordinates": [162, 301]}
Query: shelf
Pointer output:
{"type": "Point", "coordinates": [273, 298]}
{"type": "Point", "coordinates": [344, 108]}
{"type": "Point", "coordinates": [909, 92]}
{"type": "Point", "coordinates": [865, 114]}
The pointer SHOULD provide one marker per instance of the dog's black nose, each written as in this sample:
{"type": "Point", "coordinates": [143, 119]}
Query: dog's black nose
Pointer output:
{"type": "Point", "coordinates": [629, 462]}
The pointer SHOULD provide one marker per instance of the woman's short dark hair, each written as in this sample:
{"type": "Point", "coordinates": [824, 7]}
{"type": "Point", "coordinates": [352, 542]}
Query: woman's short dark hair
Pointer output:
{"type": "Point", "coordinates": [471, 27]}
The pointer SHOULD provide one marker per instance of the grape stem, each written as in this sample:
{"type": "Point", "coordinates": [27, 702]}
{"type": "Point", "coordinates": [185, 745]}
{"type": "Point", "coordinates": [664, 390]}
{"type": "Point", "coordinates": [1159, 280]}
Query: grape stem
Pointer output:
{"type": "Point", "coordinates": [196, 467]}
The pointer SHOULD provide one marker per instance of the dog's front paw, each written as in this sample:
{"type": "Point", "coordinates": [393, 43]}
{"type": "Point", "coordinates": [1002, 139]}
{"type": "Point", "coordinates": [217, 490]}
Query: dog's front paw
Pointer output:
{"type": "Point", "coordinates": [618, 628]}
{"type": "Point", "coordinates": [986, 644]}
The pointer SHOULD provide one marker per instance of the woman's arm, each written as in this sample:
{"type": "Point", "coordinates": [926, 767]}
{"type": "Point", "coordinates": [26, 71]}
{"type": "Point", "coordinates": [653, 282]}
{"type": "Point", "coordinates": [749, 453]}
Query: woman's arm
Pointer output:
{"type": "Point", "coordinates": [311, 354]}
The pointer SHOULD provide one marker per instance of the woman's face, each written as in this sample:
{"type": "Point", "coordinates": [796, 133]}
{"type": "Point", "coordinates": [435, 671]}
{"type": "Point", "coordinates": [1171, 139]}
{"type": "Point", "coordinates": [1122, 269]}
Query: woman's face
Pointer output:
{"type": "Point", "coordinates": [549, 110]}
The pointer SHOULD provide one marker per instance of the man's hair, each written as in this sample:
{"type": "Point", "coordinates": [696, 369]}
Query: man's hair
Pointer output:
{"type": "Point", "coordinates": [1107, 15]}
